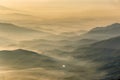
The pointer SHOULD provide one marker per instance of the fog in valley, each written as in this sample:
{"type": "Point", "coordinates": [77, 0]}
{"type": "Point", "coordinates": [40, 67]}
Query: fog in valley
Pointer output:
{"type": "Point", "coordinates": [59, 40]}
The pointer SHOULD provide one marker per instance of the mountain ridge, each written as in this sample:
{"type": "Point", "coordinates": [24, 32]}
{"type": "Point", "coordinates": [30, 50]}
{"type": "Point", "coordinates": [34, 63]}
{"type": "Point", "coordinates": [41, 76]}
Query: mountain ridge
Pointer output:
{"type": "Point", "coordinates": [113, 43]}
{"type": "Point", "coordinates": [23, 59]}
{"type": "Point", "coordinates": [15, 32]}
{"type": "Point", "coordinates": [107, 28]}
{"type": "Point", "coordinates": [102, 33]}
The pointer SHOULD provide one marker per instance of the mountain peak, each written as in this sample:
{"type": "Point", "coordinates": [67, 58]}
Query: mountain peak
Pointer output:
{"type": "Point", "coordinates": [109, 28]}
{"type": "Point", "coordinates": [14, 28]}
{"type": "Point", "coordinates": [22, 52]}
{"type": "Point", "coordinates": [114, 25]}
{"type": "Point", "coordinates": [105, 32]}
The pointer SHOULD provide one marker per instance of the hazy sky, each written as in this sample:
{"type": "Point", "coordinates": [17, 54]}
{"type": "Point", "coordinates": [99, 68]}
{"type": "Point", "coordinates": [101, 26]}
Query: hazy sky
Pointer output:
{"type": "Point", "coordinates": [72, 12]}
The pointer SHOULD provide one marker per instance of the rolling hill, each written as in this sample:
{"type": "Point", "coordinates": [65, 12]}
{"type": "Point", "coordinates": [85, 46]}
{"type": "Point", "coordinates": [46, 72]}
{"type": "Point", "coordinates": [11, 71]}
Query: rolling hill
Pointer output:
{"type": "Point", "coordinates": [28, 65]}
{"type": "Point", "coordinates": [15, 32]}
{"type": "Point", "coordinates": [23, 59]}
{"type": "Point", "coordinates": [102, 33]}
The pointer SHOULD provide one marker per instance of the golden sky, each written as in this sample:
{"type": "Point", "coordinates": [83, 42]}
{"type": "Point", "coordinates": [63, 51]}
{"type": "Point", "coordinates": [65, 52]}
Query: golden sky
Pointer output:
{"type": "Point", "coordinates": [69, 11]}
{"type": "Point", "coordinates": [61, 6]}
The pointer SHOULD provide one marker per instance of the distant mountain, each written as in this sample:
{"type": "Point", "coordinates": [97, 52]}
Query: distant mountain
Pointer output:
{"type": "Point", "coordinates": [20, 15]}
{"type": "Point", "coordinates": [21, 59]}
{"type": "Point", "coordinates": [112, 43]}
{"type": "Point", "coordinates": [7, 26]}
{"type": "Point", "coordinates": [108, 29]}
{"type": "Point", "coordinates": [101, 33]}
{"type": "Point", "coordinates": [12, 31]}
{"type": "Point", "coordinates": [56, 44]}
{"type": "Point", "coordinates": [45, 45]}
{"type": "Point", "coordinates": [11, 27]}
{"type": "Point", "coordinates": [8, 14]}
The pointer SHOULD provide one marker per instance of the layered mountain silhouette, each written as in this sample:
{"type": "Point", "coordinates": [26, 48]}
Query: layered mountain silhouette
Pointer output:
{"type": "Point", "coordinates": [36, 65]}
{"type": "Point", "coordinates": [112, 43]}
{"type": "Point", "coordinates": [19, 15]}
{"type": "Point", "coordinates": [23, 59]}
{"type": "Point", "coordinates": [28, 65]}
{"type": "Point", "coordinates": [65, 44]}
{"type": "Point", "coordinates": [50, 47]}
{"type": "Point", "coordinates": [12, 31]}
{"type": "Point", "coordinates": [7, 27]}
{"type": "Point", "coordinates": [11, 15]}
{"type": "Point", "coordinates": [101, 33]}
{"type": "Point", "coordinates": [92, 56]}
